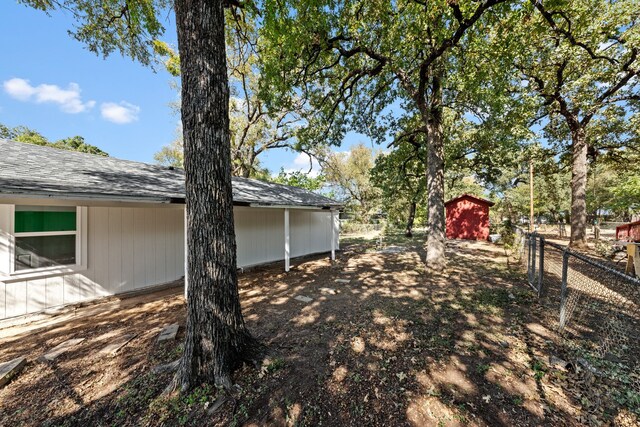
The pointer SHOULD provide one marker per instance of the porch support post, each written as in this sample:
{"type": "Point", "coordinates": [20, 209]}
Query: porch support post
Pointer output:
{"type": "Point", "coordinates": [287, 252]}
{"type": "Point", "coordinates": [186, 252]}
{"type": "Point", "coordinates": [333, 236]}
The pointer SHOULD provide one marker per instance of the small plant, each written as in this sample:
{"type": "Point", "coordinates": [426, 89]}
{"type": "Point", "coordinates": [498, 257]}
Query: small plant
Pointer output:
{"type": "Point", "coordinates": [275, 365]}
{"type": "Point", "coordinates": [628, 398]}
{"type": "Point", "coordinates": [508, 237]}
{"type": "Point", "coordinates": [538, 369]}
{"type": "Point", "coordinates": [482, 368]}
{"type": "Point", "coordinates": [603, 249]}
{"type": "Point", "coordinates": [517, 400]}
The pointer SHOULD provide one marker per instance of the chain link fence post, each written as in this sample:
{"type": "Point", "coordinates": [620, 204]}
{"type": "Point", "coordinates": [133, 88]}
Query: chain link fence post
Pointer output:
{"type": "Point", "coordinates": [563, 291]}
{"type": "Point", "coordinates": [541, 268]}
{"type": "Point", "coordinates": [532, 275]}
{"type": "Point", "coordinates": [529, 257]}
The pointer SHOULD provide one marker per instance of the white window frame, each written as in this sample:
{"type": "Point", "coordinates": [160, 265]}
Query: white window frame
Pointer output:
{"type": "Point", "coordinates": [81, 247]}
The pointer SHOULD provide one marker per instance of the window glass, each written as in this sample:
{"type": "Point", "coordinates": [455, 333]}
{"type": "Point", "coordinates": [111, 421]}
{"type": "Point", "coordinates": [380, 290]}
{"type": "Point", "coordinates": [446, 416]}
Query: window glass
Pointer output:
{"type": "Point", "coordinates": [33, 219]}
{"type": "Point", "coordinates": [44, 251]}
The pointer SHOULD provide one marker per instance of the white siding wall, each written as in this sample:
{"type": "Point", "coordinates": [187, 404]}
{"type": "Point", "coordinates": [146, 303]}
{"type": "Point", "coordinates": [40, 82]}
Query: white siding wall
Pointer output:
{"type": "Point", "coordinates": [134, 248]}
{"type": "Point", "coordinates": [5, 240]}
{"type": "Point", "coordinates": [260, 234]}
{"type": "Point", "coordinates": [128, 249]}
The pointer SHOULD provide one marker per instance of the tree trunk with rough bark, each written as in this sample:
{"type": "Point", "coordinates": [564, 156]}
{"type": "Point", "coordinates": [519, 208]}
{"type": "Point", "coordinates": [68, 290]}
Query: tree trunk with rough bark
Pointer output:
{"type": "Point", "coordinates": [435, 178]}
{"type": "Point", "coordinates": [578, 188]}
{"type": "Point", "coordinates": [217, 339]}
{"type": "Point", "coordinates": [411, 219]}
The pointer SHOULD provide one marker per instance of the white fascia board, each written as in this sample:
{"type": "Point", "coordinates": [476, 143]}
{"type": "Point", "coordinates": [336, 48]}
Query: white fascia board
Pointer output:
{"type": "Point", "coordinates": [78, 200]}
{"type": "Point", "coordinates": [316, 208]}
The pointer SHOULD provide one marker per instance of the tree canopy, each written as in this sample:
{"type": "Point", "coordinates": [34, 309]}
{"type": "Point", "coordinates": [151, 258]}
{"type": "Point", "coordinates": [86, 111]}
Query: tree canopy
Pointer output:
{"type": "Point", "coordinates": [355, 61]}
{"type": "Point", "coordinates": [583, 67]}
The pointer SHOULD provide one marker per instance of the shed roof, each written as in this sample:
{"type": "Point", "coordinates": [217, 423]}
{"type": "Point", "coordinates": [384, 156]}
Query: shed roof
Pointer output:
{"type": "Point", "coordinates": [470, 196]}
{"type": "Point", "coordinates": [33, 170]}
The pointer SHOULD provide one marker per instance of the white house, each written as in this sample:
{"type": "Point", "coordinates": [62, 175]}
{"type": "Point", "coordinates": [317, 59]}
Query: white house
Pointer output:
{"type": "Point", "coordinates": [76, 226]}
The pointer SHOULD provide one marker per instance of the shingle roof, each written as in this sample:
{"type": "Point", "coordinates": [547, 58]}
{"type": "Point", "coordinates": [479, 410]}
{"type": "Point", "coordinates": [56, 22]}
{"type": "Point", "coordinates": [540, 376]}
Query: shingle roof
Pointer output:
{"type": "Point", "coordinates": [27, 169]}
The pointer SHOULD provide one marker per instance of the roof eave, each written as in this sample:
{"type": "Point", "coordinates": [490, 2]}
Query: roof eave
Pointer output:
{"type": "Point", "coordinates": [92, 197]}
{"type": "Point", "coordinates": [283, 206]}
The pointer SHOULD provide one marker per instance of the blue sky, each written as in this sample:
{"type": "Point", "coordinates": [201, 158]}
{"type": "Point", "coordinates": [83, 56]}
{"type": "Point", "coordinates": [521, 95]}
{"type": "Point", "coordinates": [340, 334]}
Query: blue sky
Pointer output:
{"type": "Point", "coordinates": [51, 83]}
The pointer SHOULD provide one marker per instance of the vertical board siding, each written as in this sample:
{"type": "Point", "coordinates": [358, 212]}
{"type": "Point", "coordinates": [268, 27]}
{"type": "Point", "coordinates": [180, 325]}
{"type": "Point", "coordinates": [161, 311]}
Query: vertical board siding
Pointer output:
{"type": "Point", "coordinates": [336, 225]}
{"type": "Point", "coordinates": [3, 313]}
{"type": "Point", "coordinates": [273, 245]}
{"type": "Point", "coordinates": [85, 286]}
{"type": "Point", "coordinates": [300, 233]}
{"type": "Point", "coordinates": [139, 265]}
{"type": "Point", "coordinates": [99, 249]}
{"type": "Point", "coordinates": [128, 256]}
{"type": "Point", "coordinates": [319, 232]}
{"type": "Point", "coordinates": [149, 247]}
{"type": "Point", "coordinates": [5, 239]}
{"type": "Point", "coordinates": [178, 243]}
{"type": "Point", "coordinates": [169, 244]}
{"type": "Point", "coordinates": [54, 291]}
{"type": "Point", "coordinates": [260, 234]}
{"type": "Point", "coordinates": [71, 289]}
{"type": "Point", "coordinates": [36, 293]}
{"type": "Point", "coordinates": [160, 244]}
{"type": "Point", "coordinates": [114, 237]}
{"type": "Point", "coordinates": [127, 249]}
{"type": "Point", "coordinates": [16, 299]}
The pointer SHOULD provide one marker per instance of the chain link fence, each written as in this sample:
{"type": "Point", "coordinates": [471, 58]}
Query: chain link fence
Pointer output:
{"type": "Point", "coordinates": [595, 308]}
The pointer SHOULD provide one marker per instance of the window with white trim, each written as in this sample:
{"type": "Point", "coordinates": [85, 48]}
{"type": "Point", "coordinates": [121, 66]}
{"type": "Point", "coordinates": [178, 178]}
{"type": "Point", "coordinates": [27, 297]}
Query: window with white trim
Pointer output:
{"type": "Point", "coordinates": [45, 237]}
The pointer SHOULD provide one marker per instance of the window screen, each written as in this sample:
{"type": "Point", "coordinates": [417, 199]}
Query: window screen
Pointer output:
{"type": "Point", "coordinates": [45, 251]}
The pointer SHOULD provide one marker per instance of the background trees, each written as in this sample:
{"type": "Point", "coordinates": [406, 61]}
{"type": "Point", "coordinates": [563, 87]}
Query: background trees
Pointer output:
{"type": "Point", "coordinates": [30, 136]}
{"type": "Point", "coordinates": [255, 128]}
{"type": "Point", "coordinates": [399, 176]}
{"type": "Point", "coordinates": [584, 68]}
{"type": "Point", "coordinates": [354, 61]}
{"type": "Point", "coordinates": [349, 175]}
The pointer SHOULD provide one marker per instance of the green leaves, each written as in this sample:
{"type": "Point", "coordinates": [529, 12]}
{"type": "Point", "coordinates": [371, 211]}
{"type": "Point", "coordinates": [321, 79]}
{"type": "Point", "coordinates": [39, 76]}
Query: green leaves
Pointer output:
{"type": "Point", "coordinates": [300, 179]}
{"type": "Point", "coordinates": [30, 136]}
{"type": "Point", "coordinates": [349, 173]}
{"type": "Point", "coordinates": [169, 57]}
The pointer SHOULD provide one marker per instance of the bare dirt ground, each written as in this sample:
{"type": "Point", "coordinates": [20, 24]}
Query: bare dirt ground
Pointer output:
{"type": "Point", "coordinates": [394, 346]}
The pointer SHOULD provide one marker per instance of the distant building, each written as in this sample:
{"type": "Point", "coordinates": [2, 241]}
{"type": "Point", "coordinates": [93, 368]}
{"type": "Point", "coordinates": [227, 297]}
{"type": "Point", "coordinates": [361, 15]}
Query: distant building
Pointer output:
{"type": "Point", "coordinates": [468, 218]}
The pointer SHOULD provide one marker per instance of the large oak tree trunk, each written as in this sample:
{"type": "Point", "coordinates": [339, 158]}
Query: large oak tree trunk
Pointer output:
{"type": "Point", "coordinates": [411, 219]}
{"type": "Point", "coordinates": [216, 336]}
{"type": "Point", "coordinates": [435, 178]}
{"type": "Point", "coordinates": [578, 188]}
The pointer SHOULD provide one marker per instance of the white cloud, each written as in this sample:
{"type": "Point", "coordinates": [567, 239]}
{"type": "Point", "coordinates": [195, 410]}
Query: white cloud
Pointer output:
{"type": "Point", "coordinates": [121, 113]}
{"type": "Point", "coordinates": [68, 99]}
{"type": "Point", "coordinates": [19, 89]}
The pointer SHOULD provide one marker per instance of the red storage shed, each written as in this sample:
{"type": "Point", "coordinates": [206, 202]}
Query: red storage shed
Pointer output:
{"type": "Point", "coordinates": [468, 218]}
